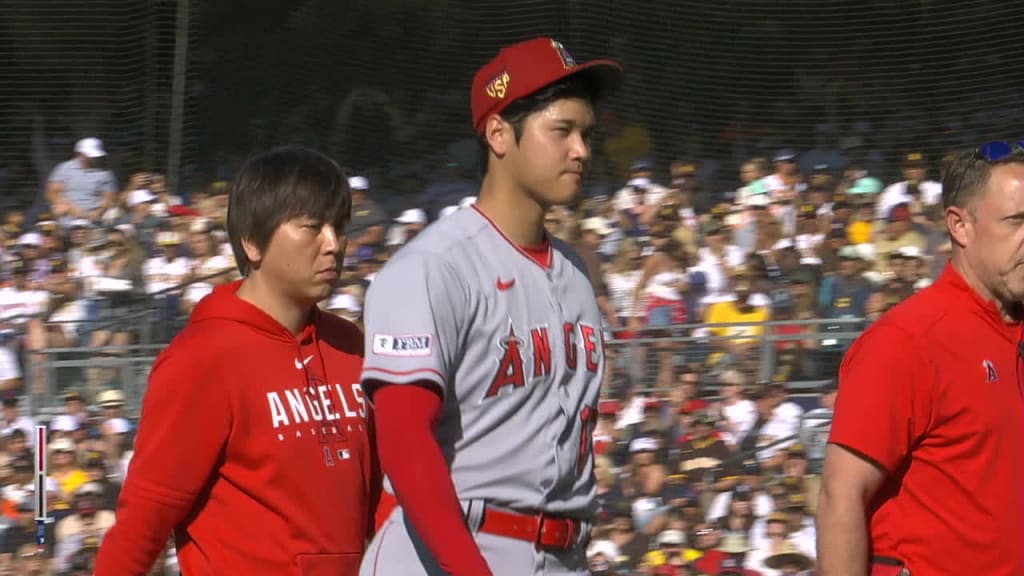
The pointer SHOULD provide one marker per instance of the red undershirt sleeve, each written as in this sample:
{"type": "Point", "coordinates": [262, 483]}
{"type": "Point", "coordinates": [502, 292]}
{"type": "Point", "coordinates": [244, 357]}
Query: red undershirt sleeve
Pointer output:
{"type": "Point", "coordinates": [411, 458]}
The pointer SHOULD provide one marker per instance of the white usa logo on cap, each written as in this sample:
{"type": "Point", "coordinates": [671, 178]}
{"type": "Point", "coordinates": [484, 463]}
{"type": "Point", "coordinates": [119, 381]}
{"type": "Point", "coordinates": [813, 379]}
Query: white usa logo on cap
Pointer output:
{"type": "Point", "coordinates": [401, 345]}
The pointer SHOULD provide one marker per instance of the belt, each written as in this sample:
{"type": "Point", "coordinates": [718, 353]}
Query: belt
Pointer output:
{"type": "Point", "coordinates": [542, 530]}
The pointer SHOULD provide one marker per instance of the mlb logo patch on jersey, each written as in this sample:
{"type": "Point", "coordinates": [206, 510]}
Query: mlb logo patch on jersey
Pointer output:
{"type": "Point", "coordinates": [405, 345]}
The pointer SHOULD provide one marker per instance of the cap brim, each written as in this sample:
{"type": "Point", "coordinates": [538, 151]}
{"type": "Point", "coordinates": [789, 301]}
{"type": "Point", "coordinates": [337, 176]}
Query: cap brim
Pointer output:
{"type": "Point", "coordinates": [603, 77]}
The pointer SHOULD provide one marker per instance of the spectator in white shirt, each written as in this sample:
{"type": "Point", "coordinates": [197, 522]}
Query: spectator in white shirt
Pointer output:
{"type": "Point", "coordinates": [738, 413]}
{"type": "Point", "coordinates": [926, 192]}
{"type": "Point", "coordinates": [169, 268]}
{"type": "Point", "coordinates": [637, 202]}
{"type": "Point", "coordinates": [12, 419]}
{"type": "Point", "coordinates": [209, 268]}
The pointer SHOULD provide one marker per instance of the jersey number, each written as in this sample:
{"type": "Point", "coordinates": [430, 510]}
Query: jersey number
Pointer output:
{"type": "Point", "coordinates": [588, 421]}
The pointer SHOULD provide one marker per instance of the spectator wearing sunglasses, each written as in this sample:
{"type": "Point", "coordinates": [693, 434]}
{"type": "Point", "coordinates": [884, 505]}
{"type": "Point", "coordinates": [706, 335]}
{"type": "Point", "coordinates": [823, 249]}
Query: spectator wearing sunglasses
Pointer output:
{"type": "Point", "coordinates": [923, 465]}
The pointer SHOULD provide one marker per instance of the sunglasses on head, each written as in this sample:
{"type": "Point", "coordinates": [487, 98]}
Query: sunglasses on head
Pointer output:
{"type": "Point", "coordinates": [995, 151]}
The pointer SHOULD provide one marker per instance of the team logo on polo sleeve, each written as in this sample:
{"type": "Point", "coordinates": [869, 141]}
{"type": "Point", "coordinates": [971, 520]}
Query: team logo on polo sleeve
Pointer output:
{"type": "Point", "coordinates": [401, 345]}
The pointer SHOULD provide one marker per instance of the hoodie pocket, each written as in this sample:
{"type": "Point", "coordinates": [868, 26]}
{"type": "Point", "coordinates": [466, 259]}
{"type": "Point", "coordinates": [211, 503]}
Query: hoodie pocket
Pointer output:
{"type": "Point", "coordinates": [328, 564]}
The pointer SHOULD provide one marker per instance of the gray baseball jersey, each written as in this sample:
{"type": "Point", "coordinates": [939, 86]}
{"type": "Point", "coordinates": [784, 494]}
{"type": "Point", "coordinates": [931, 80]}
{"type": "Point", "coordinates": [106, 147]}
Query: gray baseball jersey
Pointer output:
{"type": "Point", "coordinates": [514, 348]}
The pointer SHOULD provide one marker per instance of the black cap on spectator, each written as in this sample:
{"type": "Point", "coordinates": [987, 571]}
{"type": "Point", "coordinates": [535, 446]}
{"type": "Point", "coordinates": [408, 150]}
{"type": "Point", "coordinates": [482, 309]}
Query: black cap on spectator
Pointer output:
{"type": "Point", "coordinates": [641, 165]}
{"type": "Point", "coordinates": [742, 493]}
{"type": "Point", "coordinates": [913, 160]}
{"type": "Point", "coordinates": [72, 396]}
{"type": "Point", "coordinates": [94, 459]}
{"type": "Point", "coordinates": [751, 467]}
{"type": "Point", "coordinates": [785, 155]}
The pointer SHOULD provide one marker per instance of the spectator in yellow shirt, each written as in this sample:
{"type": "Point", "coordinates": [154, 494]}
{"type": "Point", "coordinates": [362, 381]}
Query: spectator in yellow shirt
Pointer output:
{"type": "Point", "coordinates": [65, 472]}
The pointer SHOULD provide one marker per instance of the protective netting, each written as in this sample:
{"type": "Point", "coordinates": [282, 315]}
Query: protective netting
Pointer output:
{"type": "Point", "coordinates": [74, 69]}
{"type": "Point", "coordinates": [383, 84]}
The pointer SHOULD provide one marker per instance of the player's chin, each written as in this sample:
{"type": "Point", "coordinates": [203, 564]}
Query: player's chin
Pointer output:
{"type": "Point", "coordinates": [563, 193]}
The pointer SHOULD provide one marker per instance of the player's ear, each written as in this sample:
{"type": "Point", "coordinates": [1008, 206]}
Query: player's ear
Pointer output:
{"type": "Point", "coordinates": [958, 222]}
{"type": "Point", "coordinates": [499, 134]}
{"type": "Point", "coordinates": [252, 253]}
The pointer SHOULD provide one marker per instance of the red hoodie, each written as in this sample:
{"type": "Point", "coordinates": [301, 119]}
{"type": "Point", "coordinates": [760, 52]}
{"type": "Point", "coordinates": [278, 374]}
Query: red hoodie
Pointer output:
{"type": "Point", "coordinates": [253, 447]}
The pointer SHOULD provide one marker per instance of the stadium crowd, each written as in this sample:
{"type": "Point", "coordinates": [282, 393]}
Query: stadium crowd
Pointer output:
{"type": "Point", "coordinates": [706, 461]}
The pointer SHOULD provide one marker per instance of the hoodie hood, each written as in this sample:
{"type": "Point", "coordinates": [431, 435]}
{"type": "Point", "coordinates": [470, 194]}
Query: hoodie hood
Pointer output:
{"type": "Point", "coordinates": [224, 304]}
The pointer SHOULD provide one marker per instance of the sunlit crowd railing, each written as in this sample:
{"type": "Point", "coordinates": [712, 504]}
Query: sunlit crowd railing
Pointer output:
{"type": "Point", "coordinates": [803, 354]}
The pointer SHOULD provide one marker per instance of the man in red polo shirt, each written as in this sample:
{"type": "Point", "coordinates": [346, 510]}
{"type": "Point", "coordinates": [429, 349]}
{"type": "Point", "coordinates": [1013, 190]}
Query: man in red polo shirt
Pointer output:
{"type": "Point", "coordinates": [923, 467]}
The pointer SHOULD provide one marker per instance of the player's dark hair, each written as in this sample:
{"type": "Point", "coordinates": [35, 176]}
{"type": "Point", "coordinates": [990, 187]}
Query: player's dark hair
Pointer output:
{"type": "Point", "coordinates": [282, 184]}
{"type": "Point", "coordinates": [517, 112]}
{"type": "Point", "coordinates": [968, 175]}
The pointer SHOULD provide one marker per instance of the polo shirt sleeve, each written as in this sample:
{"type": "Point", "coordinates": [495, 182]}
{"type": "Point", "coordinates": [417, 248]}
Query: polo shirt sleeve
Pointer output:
{"type": "Point", "coordinates": [885, 398]}
{"type": "Point", "coordinates": [59, 173]}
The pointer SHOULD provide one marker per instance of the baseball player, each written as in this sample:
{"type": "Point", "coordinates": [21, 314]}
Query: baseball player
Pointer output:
{"type": "Point", "coordinates": [484, 352]}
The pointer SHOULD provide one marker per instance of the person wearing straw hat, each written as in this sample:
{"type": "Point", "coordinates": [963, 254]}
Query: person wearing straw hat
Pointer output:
{"type": "Point", "coordinates": [789, 562]}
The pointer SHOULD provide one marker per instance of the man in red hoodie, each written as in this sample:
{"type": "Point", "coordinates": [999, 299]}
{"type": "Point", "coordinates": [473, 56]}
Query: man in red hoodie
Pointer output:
{"type": "Point", "coordinates": [254, 441]}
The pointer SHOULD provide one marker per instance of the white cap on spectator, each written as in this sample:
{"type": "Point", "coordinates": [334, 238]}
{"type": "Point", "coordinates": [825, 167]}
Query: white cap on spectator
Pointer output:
{"type": "Point", "coordinates": [199, 225]}
{"type": "Point", "coordinates": [866, 251]}
{"type": "Point", "coordinates": [412, 216]}
{"type": "Point", "coordinates": [643, 444]}
{"type": "Point", "coordinates": [140, 196]}
{"type": "Point", "coordinates": [912, 252]}
{"type": "Point", "coordinates": [759, 299]}
{"type": "Point", "coordinates": [62, 444]}
{"type": "Point", "coordinates": [597, 225]}
{"type": "Point", "coordinates": [447, 211]}
{"type": "Point", "coordinates": [358, 183]}
{"type": "Point", "coordinates": [30, 239]}
{"type": "Point", "coordinates": [467, 201]}
{"type": "Point", "coordinates": [344, 302]}
{"type": "Point", "coordinates": [64, 423]}
{"type": "Point", "coordinates": [604, 547]}
{"type": "Point", "coordinates": [89, 489]}
{"type": "Point", "coordinates": [732, 376]}
{"type": "Point", "coordinates": [118, 426]}
{"type": "Point", "coordinates": [671, 537]}
{"type": "Point", "coordinates": [90, 148]}
{"type": "Point", "coordinates": [81, 223]}
{"type": "Point", "coordinates": [126, 229]}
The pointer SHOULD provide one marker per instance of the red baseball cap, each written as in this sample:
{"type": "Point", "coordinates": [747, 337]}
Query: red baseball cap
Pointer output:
{"type": "Point", "coordinates": [524, 68]}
